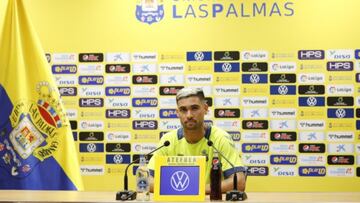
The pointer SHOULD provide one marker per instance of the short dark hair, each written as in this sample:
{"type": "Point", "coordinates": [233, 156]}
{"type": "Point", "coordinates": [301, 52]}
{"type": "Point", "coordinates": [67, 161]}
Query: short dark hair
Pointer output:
{"type": "Point", "coordinates": [189, 92]}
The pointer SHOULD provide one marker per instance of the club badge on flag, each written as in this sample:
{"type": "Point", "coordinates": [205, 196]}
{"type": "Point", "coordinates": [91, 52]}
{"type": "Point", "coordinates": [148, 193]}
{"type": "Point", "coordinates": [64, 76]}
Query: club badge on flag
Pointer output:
{"type": "Point", "coordinates": [37, 149]}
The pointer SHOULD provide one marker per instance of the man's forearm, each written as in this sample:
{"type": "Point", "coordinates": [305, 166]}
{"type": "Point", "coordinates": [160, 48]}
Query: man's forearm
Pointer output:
{"type": "Point", "coordinates": [227, 184]}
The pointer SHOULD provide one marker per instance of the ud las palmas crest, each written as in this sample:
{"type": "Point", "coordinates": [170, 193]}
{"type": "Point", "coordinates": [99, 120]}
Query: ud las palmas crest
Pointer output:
{"type": "Point", "coordinates": [149, 11]}
{"type": "Point", "coordinates": [32, 136]}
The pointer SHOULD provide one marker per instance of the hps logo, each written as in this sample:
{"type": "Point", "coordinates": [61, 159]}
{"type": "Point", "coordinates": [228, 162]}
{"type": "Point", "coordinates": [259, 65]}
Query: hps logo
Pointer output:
{"type": "Point", "coordinates": [149, 11]}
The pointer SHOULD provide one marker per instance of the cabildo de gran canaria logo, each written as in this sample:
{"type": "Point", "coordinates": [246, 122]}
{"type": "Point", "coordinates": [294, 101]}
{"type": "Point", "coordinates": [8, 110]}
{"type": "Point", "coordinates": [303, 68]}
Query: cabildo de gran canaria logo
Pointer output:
{"type": "Point", "coordinates": [149, 11]}
{"type": "Point", "coordinates": [33, 134]}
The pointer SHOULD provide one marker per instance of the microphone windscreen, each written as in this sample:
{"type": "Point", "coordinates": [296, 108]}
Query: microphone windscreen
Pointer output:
{"type": "Point", "coordinates": [210, 143]}
{"type": "Point", "coordinates": [166, 143]}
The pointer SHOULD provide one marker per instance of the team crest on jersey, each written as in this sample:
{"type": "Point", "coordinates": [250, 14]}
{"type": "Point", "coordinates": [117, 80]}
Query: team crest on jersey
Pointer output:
{"type": "Point", "coordinates": [149, 11]}
{"type": "Point", "coordinates": [31, 136]}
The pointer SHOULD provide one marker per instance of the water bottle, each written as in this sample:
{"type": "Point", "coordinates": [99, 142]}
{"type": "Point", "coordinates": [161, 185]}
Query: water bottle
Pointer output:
{"type": "Point", "coordinates": [142, 181]}
{"type": "Point", "coordinates": [215, 178]}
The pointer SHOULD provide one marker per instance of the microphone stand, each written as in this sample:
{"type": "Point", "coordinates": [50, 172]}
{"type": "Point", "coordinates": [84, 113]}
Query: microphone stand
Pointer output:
{"type": "Point", "coordinates": [235, 194]}
{"type": "Point", "coordinates": [130, 194]}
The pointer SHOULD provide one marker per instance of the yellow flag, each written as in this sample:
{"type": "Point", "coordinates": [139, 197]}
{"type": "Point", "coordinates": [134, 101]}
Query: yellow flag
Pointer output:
{"type": "Point", "coordinates": [37, 149]}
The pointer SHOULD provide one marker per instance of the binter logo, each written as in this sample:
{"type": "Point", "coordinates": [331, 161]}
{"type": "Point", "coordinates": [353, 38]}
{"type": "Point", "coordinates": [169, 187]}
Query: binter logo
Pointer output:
{"type": "Point", "coordinates": [180, 181]}
{"type": "Point", "coordinates": [150, 11]}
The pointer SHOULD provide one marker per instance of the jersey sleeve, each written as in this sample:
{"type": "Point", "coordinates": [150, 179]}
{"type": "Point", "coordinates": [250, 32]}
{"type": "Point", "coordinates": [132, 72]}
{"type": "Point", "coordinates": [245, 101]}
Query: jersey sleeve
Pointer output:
{"type": "Point", "coordinates": [227, 148]}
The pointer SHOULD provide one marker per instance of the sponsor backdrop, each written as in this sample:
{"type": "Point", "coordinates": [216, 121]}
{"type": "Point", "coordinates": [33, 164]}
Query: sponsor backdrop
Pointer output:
{"type": "Point", "coordinates": [282, 77]}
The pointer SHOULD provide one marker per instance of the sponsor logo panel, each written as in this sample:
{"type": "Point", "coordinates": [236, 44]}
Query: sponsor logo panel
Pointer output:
{"type": "Point", "coordinates": [311, 160]}
{"type": "Point", "coordinates": [227, 67]}
{"type": "Point", "coordinates": [92, 170]}
{"type": "Point", "coordinates": [117, 57]}
{"type": "Point", "coordinates": [199, 56]}
{"type": "Point", "coordinates": [91, 136]}
{"type": "Point", "coordinates": [282, 67]}
{"type": "Point", "coordinates": [311, 54]}
{"type": "Point", "coordinates": [117, 68]}
{"type": "Point", "coordinates": [144, 124]}
{"type": "Point", "coordinates": [93, 69]}
{"type": "Point", "coordinates": [261, 136]}
{"type": "Point", "coordinates": [118, 136]}
{"type": "Point", "coordinates": [311, 89]}
{"type": "Point", "coordinates": [144, 57]}
{"type": "Point", "coordinates": [144, 79]}
{"type": "Point", "coordinates": [91, 57]}
{"type": "Point", "coordinates": [340, 160]}
{"type": "Point", "coordinates": [255, 147]}
{"type": "Point", "coordinates": [254, 55]}
{"type": "Point", "coordinates": [257, 171]}
{"type": "Point", "coordinates": [255, 101]}
{"type": "Point", "coordinates": [68, 91]}
{"type": "Point", "coordinates": [255, 124]}
{"type": "Point", "coordinates": [312, 171]}
{"type": "Point", "coordinates": [255, 159]}
{"type": "Point", "coordinates": [283, 159]}
{"type": "Point", "coordinates": [338, 171]}
{"type": "Point", "coordinates": [167, 125]}
{"type": "Point", "coordinates": [282, 78]}
{"type": "Point", "coordinates": [169, 90]}
{"type": "Point", "coordinates": [118, 147]}
{"type": "Point", "coordinates": [283, 171]}
{"type": "Point", "coordinates": [144, 102]}
{"type": "Point", "coordinates": [283, 148]}
{"type": "Point", "coordinates": [227, 113]}
{"type": "Point", "coordinates": [340, 148]}
{"type": "Point", "coordinates": [283, 125]}
{"type": "Point", "coordinates": [228, 125]}
{"type": "Point", "coordinates": [283, 136]}
{"type": "Point", "coordinates": [91, 102]}
{"type": "Point", "coordinates": [226, 55]}
{"type": "Point", "coordinates": [255, 113]}
{"type": "Point", "coordinates": [254, 67]}
{"type": "Point", "coordinates": [311, 136]}
{"type": "Point", "coordinates": [147, 68]}
{"type": "Point", "coordinates": [117, 91]}
{"type": "Point", "coordinates": [64, 69]}
{"type": "Point", "coordinates": [254, 78]}
{"type": "Point", "coordinates": [311, 101]}
{"type": "Point", "coordinates": [64, 58]}
{"type": "Point", "coordinates": [117, 113]}
{"type": "Point", "coordinates": [91, 147]}
{"type": "Point", "coordinates": [311, 124]}
{"type": "Point", "coordinates": [118, 159]}
{"type": "Point", "coordinates": [312, 148]}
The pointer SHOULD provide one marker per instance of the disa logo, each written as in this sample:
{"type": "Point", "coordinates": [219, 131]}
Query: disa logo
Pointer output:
{"type": "Point", "coordinates": [149, 11]}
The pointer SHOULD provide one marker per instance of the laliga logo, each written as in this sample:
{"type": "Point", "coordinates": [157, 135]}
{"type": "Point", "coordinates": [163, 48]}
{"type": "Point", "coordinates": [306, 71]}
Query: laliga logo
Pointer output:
{"type": "Point", "coordinates": [180, 181]}
{"type": "Point", "coordinates": [149, 11]}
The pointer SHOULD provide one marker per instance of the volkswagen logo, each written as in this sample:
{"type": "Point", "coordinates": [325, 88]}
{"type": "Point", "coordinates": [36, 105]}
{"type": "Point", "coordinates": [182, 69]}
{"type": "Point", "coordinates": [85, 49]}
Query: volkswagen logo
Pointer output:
{"type": "Point", "coordinates": [226, 67]}
{"type": "Point", "coordinates": [199, 56]}
{"type": "Point", "coordinates": [118, 159]}
{"type": "Point", "coordinates": [283, 89]}
{"type": "Point", "coordinates": [254, 78]}
{"type": "Point", "coordinates": [180, 181]}
{"type": "Point", "coordinates": [311, 101]}
{"type": "Point", "coordinates": [340, 113]}
{"type": "Point", "coordinates": [91, 147]}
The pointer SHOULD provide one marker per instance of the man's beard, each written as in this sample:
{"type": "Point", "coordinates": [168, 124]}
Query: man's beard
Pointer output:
{"type": "Point", "coordinates": [191, 125]}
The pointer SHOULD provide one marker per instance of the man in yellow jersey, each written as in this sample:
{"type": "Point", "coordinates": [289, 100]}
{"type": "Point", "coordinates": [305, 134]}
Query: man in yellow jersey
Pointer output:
{"type": "Point", "coordinates": [192, 138]}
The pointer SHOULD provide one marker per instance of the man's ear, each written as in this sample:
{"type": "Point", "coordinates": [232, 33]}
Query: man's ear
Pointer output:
{"type": "Point", "coordinates": [177, 112]}
{"type": "Point", "coordinates": [206, 107]}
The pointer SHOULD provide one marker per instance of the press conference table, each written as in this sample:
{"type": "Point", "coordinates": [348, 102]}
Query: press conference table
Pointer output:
{"type": "Point", "coordinates": [74, 196]}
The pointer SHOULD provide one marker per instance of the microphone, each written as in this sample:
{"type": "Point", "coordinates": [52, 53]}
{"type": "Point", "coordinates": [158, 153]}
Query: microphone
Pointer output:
{"type": "Point", "coordinates": [130, 194]}
{"type": "Point", "coordinates": [233, 195]}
